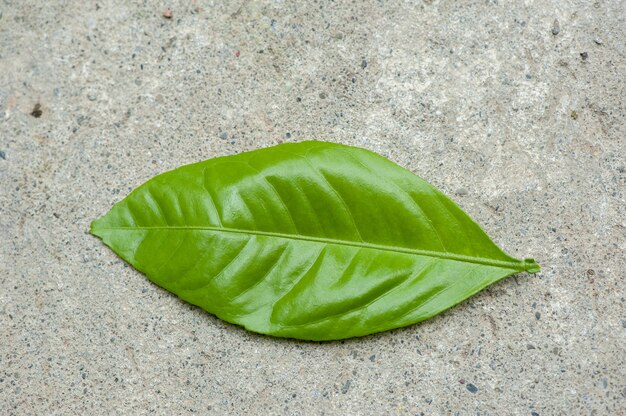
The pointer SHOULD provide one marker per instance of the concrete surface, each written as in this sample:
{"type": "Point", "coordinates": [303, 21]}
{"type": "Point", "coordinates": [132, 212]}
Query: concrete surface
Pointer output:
{"type": "Point", "coordinates": [515, 109]}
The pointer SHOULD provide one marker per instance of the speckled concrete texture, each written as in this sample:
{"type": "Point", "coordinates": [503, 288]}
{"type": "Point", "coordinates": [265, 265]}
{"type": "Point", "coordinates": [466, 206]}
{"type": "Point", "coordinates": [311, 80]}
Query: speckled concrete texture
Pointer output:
{"type": "Point", "coordinates": [514, 109]}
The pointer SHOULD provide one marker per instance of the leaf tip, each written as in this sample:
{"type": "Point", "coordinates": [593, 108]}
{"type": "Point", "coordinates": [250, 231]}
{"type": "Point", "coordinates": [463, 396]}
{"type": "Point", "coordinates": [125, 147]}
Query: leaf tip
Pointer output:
{"type": "Point", "coordinates": [531, 266]}
{"type": "Point", "coordinates": [96, 226]}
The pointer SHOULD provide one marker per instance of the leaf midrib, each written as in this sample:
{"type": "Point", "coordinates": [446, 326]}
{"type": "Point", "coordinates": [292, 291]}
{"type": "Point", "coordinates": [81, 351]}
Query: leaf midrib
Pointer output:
{"type": "Point", "coordinates": [518, 265]}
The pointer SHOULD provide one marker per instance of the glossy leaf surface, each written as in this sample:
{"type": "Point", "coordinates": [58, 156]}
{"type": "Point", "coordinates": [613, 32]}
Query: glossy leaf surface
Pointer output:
{"type": "Point", "coordinates": [311, 240]}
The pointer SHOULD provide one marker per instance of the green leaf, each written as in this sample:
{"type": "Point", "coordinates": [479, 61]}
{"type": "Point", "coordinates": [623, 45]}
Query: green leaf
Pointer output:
{"type": "Point", "coordinates": [312, 240]}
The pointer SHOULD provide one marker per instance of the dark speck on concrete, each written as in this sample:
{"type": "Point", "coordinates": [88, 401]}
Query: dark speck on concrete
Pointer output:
{"type": "Point", "coordinates": [323, 95]}
{"type": "Point", "coordinates": [363, 64]}
{"type": "Point", "coordinates": [462, 192]}
{"type": "Point", "coordinates": [36, 111]}
{"type": "Point", "coordinates": [288, 135]}
{"type": "Point", "coordinates": [584, 55]}
{"type": "Point", "coordinates": [346, 387]}
{"type": "Point", "coordinates": [528, 76]}
{"type": "Point", "coordinates": [538, 315]}
{"type": "Point", "coordinates": [556, 27]}
{"type": "Point", "coordinates": [534, 414]}
{"type": "Point", "coordinates": [223, 135]}
{"type": "Point", "coordinates": [3, 155]}
{"type": "Point", "coordinates": [373, 356]}
{"type": "Point", "coordinates": [472, 388]}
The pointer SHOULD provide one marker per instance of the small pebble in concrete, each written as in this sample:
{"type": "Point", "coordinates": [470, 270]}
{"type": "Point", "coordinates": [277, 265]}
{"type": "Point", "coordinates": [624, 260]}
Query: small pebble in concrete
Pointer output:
{"type": "Point", "coordinates": [537, 315]}
{"type": "Point", "coordinates": [3, 155]}
{"type": "Point", "coordinates": [223, 135]}
{"type": "Point", "coordinates": [472, 388]}
{"type": "Point", "coordinates": [462, 192]}
{"type": "Point", "coordinates": [363, 64]}
{"type": "Point", "coordinates": [36, 111]}
{"type": "Point", "coordinates": [534, 414]}
{"type": "Point", "coordinates": [346, 387]}
{"type": "Point", "coordinates": [574, 115]}
{"type": "Point", "coordinates": [167, 14]}
{"type": "Point", "coordinates": [584, 56]}
{"type": "Point", "coordinates": [556, 27]}
{"type": "Point", "coordinates": [373, 357]}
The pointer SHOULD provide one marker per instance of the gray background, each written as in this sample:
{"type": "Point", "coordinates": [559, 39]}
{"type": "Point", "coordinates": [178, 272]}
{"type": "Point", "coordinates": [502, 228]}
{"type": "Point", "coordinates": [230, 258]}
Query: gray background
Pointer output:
{"type": "Point", "coordinates": [481, 98]}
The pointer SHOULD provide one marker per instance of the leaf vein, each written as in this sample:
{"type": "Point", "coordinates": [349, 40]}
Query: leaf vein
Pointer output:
{"type": "Point", "coordinates": [215, 276]}
{"type": "Point", "coordinates": [211, 198]}
{"type": "Point", "coordinates": [417, 205]}
{"type": "Point", "coordinates": [428, 266]}
{"type": "Point", "coordinates": [319, 256]}
{"type": "Point", "coordinates": [433, 297]}
{"type": "Point", "coordinates": [280, 198]}
{"type": "Point", "coordinates": [332, 188]}
{"type": "Point", "coordinates": [259, 281]}
{"type": "Point", "coordinates": [172, 254]}
{"type": "Point", "coordinates": [517, 265]}
{"type": "Point", "coordinates": [155, 202]}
